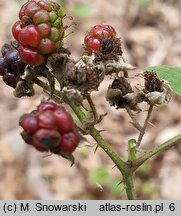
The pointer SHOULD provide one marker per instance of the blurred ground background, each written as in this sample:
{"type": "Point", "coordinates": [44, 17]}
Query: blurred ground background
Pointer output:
{"type": "Point", "coordinates": [151, 35]}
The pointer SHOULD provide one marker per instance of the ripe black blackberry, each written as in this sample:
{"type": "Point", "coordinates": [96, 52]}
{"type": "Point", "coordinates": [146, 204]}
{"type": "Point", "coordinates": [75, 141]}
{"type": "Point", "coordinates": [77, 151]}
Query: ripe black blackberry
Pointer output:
{"type": "Point", "coordinates": [11, 66]}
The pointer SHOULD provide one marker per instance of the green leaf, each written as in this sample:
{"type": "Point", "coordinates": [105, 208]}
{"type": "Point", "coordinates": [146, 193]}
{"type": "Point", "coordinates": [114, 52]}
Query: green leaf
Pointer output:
{"type": "Point", "coordinates": [171, 74]}
{"type": "Point", "coordinates": [81, 11]}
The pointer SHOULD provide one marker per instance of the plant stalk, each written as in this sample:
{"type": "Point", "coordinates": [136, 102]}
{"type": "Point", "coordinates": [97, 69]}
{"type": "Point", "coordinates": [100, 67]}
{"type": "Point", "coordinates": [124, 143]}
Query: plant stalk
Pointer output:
{"type": "Point", "coordinates": [164, 146]}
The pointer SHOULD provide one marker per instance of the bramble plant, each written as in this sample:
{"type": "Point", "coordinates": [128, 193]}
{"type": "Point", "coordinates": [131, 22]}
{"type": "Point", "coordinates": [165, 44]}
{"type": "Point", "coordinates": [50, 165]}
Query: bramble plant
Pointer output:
{"type": "Point", "coordinates": [38, 52]}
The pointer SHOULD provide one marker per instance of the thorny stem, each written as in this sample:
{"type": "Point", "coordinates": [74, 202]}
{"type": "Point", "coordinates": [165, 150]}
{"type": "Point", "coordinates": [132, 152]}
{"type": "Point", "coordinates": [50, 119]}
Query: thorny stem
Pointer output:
{"type": "Point", "coordinates": [142, 131]}
{"type": "Point", "coordinates": [120, 164]}
{"type": "Point", "coordinates": [164, 146]}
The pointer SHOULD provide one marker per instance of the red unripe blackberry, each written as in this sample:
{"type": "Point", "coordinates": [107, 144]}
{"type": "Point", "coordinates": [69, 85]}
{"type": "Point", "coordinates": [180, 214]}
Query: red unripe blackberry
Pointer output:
{"type": "Point", "coordinates": [30, 55]}
{"type": "Point", "coordinates": [29, 36]}
{"type": "Point", "coordinates": [16, 29]}
{"type": "Point", "coordinates": [40, 27]}
{"type": "Point", "coordinates": [96, 37]}
{"type": "Point", "coordinates": [47, 119]}
{"type": "Point", "coordinates": [29, 123]}
{"type": "Point", "coordinates": [45, 139]}
{"type": "Point", "coordinates": [69, 142]}
{"type": "Point", "coordinates": [64, 120]}
{"type": "Point", "coordinates": [44, 106]}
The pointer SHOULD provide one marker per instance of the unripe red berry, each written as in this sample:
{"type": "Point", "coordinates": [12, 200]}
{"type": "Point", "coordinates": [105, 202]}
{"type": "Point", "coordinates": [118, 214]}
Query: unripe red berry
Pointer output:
{"type": "Point", "coordinates": [47, 119]}
{"type": "Point", "coordinates": [92, 44]}
{"type": "Point", "coordinates": [29, 123]}
{"type": "Point", "coordinates": [30, 55]}
{"type": "Point", "coordinates": [110, 29]}
{"type": "Point", "coordinates": [64, 120]}
{"type": "Point", "coordinates": [40, 27]}
{"type": "Point", "coordinates": [44, 106]}
{"type": "Point", "coordinates": [17, 27]}
{"type": "Point", "coordinates": [29, 36]}
{"type": "Point", "coordinates": [31, 9]}
{"type": "Point", "coordinates": [45, 139]}
{"type": "Point", "coordinates": [69, 142]}
{"type": "Point", "coordinates": [46, 46]}
{"type": "Point", "coordinates": [44, 30]}
{"type": "Point", "coordinates": [23, 10]}
{"type": "Point", "coordinates": [41, 16]}
{"type": "Point", "coordinates": [100, 38]}
{"type": "Point", "coordinates": [45, 5]}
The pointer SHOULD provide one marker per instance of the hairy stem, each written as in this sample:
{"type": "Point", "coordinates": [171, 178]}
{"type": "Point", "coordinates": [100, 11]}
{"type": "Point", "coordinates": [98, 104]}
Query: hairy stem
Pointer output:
{"type": "Point", "coordinates": [120, 164]}
{"type": "Point", "coordinates": [164, 146]}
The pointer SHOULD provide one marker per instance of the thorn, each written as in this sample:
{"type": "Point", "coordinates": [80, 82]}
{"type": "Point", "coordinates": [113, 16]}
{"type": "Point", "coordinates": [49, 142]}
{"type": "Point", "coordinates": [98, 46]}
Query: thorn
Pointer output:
{"type": "Point", "coordinates": [48, 155]}
{"type": "Point", "coordinates": [97, 146]}
{"type": "Point", "coordinates": [100, 131]}
{"type": "Point", "coordinates": [121, 182]}
{"type": "Point", "coordinates": [152, 124]}
{"type": "Point", "coordinates": [113, 166]}
{"type": "Point", "coordinates": [100, 186]}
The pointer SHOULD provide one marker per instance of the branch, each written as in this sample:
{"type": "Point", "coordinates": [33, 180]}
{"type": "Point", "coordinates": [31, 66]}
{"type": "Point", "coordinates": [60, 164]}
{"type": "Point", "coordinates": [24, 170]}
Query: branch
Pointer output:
{"type": "Point", "coordinates": [166, 145]}
{"type": "Point", "coordinates": [142, 132]}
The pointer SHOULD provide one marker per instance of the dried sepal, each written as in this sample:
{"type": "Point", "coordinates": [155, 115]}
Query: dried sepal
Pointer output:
{"type": "Point", "coordinates": [120, 94]}
{"type": "Point", "coordinates": [85, 75]}
{"type": "Point", "coordinates": [83, 142]}
{"type": "Point", "coordinates": [56, 64]}
{"type": "Point", "coordinates": [157, 98]}
{"type": "Point", "coordinates": [68, 156]}
{"type": "Point", "coordinates": [115, 66]}
{"type": "Point", "coordinates": [24, 88]}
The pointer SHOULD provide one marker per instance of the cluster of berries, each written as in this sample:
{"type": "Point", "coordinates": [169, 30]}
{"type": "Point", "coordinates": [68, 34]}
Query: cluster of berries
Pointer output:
{"type": "Point", "coordinates": [39, 31]}
{"type": "Point", "coordinates": [50, 128]}
{"type": "Point", "coordinates": [11, 65]}
{"type": "Point", "coordinates": [101, 39]}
